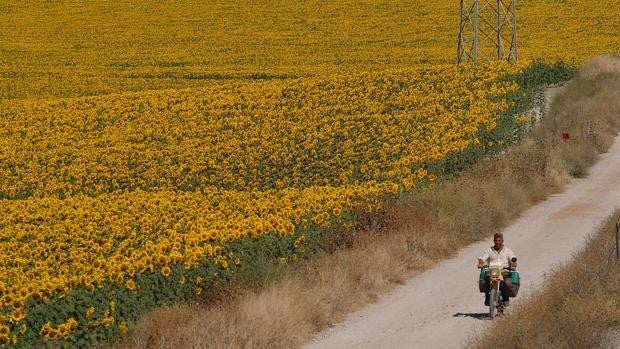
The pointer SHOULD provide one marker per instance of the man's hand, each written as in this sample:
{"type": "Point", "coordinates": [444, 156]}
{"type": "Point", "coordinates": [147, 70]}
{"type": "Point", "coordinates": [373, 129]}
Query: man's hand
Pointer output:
{"type": "Point", "coordinates": [480, 263]}
{"type": "Point", "coordinates": [513, 265]}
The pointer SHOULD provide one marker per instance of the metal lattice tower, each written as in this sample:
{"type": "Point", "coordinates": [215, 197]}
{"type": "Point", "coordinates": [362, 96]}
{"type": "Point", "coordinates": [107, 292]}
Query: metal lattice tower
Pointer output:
{"type": "Point", "coordinates": [487, 31]}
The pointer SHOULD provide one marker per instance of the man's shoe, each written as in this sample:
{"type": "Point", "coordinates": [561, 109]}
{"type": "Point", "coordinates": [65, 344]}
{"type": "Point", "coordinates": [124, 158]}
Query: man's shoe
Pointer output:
{"type": "Point", "coordinates": [506, 302]}
{"type": "Point", "coordinates": [486, 299]}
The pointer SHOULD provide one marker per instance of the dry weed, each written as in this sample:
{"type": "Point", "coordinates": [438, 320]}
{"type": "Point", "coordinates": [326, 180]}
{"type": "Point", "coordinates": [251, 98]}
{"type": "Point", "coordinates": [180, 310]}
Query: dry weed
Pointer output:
{"type": "Point", "coordinates": [601, 65]}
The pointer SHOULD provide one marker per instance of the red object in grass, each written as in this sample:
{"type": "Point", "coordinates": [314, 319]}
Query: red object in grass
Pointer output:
{"type": "Point", "coordinates": [565, 136]}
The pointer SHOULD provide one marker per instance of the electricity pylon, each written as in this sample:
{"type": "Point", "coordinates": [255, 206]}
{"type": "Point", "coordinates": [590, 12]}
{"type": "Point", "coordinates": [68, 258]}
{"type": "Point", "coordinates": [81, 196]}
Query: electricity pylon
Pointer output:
{"type": "Point", "coordinates": [487, 31]}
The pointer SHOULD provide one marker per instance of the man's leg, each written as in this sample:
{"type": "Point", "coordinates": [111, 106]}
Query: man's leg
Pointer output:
{"type": "Point", "coordinates": [507, 290]}
{"type": "Point", "coordinates": [487, 286]}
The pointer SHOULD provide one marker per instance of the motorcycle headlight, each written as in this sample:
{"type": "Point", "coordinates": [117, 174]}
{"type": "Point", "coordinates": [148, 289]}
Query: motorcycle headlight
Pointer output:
{"type": "Point", "coordinates": [494, 272]}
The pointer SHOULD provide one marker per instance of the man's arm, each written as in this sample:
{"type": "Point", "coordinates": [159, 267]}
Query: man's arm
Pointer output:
{"type": "Point", "coordinates": [483, 259]}
{"type": "Point", "coordinates": [511, 255]}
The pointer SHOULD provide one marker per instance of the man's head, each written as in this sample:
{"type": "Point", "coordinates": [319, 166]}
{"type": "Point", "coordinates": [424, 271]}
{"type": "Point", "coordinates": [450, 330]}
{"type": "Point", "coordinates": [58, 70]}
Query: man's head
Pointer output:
{"type": "Point", "coordinates": [498, 240]}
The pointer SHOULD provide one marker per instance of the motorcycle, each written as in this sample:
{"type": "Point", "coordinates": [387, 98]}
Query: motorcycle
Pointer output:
{"type": "Point", "coordinates": [496, 280]}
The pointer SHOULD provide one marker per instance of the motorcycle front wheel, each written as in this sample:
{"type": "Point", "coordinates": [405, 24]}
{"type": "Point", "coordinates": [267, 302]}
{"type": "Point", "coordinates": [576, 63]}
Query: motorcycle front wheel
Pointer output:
{"type": "Point", "coordinates": [493, 302]}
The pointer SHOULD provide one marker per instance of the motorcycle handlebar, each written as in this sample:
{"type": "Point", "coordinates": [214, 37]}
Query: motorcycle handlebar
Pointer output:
{"type": "Point", "coordinates": [486, 266]}
{"type": "Point", "coordinates": [513, 260]}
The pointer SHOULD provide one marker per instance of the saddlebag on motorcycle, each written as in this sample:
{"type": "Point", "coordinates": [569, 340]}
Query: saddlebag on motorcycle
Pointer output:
{"type": "Point", "coordinates": [515, 281]}
{"type": "Point", "coordinates": [482, 282]}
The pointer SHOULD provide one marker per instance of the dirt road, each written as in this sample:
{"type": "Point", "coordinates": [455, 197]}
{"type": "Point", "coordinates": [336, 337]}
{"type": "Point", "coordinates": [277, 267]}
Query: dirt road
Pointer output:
{"type": "Point", "coordinates": [442, 308]}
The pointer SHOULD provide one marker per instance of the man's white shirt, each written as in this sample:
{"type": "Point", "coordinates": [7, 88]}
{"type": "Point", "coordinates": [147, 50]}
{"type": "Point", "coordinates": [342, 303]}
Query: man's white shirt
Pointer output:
{"type": "Point", "coordinates": [503, 256]}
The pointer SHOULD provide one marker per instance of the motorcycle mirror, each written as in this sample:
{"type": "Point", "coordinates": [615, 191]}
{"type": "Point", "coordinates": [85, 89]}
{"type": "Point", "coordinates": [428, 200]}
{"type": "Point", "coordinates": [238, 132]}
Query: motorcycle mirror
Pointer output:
{"type": "Point", "coordinates": [514, 259]}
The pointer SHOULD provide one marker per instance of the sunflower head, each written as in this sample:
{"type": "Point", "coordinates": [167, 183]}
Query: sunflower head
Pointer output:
{"type": "Point", "coordinates": [130, 284]}
{"type": "Point", "coordinates": [63, 330]}
{"type": "Point", "coordinates": [18, 315]}
{"type": "Point", "coordinates": [166, 271]}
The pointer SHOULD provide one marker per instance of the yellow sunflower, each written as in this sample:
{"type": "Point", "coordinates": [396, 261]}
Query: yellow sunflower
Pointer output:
{"type": "Point", "coordinates": [130, 284]}
{"type": "Point", "coordinates": [166, 271]}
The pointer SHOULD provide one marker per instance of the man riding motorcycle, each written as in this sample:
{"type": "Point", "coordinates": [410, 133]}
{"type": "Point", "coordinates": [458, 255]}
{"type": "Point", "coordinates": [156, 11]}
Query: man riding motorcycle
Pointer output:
{"type": "Point", "coordinates": [498, 254]}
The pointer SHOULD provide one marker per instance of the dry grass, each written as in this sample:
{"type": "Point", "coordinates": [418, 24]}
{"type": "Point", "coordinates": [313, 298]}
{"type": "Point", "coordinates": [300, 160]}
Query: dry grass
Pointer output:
{"type": "Point", "coordinates": [578, 308]}
{"type": "Point", "coordinates": [602, 65]}
{"type": "Point", "coordinates": [404, 239]}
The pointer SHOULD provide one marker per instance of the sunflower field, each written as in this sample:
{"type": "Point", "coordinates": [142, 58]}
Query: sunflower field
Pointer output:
{"type": "Point", "coordinates": [150, 148]}
{"type": "Point", "coordinates": [69, 48]}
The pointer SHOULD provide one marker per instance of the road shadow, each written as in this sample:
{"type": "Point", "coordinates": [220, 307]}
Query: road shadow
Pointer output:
{"type": "Point", "coordinates": [478, 316]}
